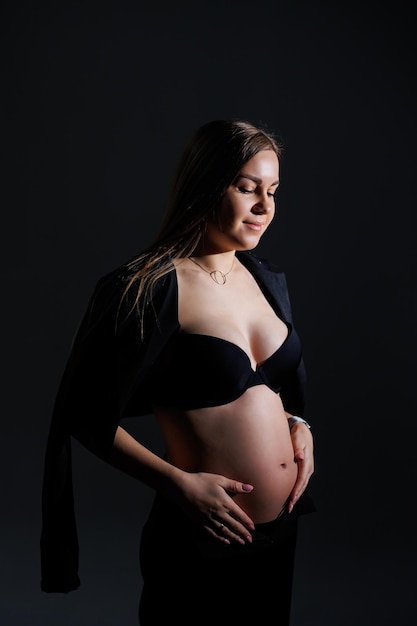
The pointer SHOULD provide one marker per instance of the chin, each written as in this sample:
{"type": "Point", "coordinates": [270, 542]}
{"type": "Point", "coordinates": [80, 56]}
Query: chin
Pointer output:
{"type": "Point", "coordinates": [250, 245]}
{"type": "Point", "coordinates": [247, 247]}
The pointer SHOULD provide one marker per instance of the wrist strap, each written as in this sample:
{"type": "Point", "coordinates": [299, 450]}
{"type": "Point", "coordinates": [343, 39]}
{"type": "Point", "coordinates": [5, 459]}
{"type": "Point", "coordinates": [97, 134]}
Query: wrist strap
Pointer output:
{"type": "Point", "coordinates": [295, 419]}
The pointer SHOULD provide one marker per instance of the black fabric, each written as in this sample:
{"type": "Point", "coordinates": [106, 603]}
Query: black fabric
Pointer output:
{"type": "Point", "coordinates": [223, 375]}
{"type": "Point", "coordinates": [105, 381]}
{"type": "Point", "coordinates": [206, 582]}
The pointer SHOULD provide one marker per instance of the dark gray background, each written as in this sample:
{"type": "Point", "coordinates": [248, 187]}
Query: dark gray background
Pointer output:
{"type": "Point", "coordinates": [98, 99]}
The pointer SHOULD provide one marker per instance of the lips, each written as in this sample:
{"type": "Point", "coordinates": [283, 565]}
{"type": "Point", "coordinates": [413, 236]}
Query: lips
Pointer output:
{"type": "Point", "coordinates": [254, 225]}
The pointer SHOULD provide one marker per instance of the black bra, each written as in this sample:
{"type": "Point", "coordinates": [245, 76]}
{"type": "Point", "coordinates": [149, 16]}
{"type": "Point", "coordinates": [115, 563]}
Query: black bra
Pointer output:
{"type": "Point", "coordinates": [195, 371]}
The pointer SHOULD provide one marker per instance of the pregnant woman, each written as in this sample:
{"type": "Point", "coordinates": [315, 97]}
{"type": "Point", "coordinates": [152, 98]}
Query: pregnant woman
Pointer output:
{"type": "Point", "coordinates": [197, 330]}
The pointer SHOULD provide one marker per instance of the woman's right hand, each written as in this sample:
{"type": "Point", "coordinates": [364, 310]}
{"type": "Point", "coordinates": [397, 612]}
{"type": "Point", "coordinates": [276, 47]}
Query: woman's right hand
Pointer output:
{"type": "Point", "coordinates": [207, 499]}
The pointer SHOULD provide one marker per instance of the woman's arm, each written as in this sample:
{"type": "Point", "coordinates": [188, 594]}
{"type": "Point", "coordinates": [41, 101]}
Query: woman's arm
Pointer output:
{"type": "Point", "coordinates": [206, 498]}
{"type": "Point", "coordinates": [134, 459]}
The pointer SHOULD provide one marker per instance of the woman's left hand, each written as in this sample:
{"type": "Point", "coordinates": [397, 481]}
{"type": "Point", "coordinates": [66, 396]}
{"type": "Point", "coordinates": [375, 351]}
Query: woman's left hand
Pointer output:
{"type": "Point", "coordinates": [302, 441]}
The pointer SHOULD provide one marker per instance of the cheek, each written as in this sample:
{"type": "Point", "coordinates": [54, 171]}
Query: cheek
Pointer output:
{"type": "Point", "coordinates": [227, 214]}
{"type": "Point", "coordinates": [233, 210]}
{"type": "Point", "coordinates": [221, 221]}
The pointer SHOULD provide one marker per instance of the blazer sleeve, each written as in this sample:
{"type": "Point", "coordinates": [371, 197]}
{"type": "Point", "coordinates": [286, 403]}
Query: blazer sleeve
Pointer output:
{"type": "Point", "coordinates": [101, 373]}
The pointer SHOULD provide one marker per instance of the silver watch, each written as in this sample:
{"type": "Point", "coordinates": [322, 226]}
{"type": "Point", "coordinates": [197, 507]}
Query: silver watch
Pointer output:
{"type": "Point", "coordinates": [295, 419]}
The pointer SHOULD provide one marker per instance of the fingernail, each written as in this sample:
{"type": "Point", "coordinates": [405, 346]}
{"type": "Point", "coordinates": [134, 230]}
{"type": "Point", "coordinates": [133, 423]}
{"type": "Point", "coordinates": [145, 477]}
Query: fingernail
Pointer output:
{"type": "Point", "coordinates": [247, 487]}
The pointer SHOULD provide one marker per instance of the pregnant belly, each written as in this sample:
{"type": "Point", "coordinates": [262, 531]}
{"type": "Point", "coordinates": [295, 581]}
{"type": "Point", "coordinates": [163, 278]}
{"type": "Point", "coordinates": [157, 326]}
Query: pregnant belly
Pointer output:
{"type": "Point", "coordinates": [262, 457]}
{"type": "Point", "coordinates": [247, 440]}
{"type": "Point", "coordinates": [272, 486]}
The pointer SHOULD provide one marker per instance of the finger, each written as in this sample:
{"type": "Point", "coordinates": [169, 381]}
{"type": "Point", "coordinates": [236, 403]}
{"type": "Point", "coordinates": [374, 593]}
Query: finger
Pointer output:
{"type": "Point", "coordinates": [296, 493]}
{"type": "Point", "coordinates": [233, 527]}
{"type": "Point", "coordinates": [237, 527]}
{"type": "Point", "coordinates": [234, 518]}
{"type": "Point", "coordinates": [230, 532]}
{"type": "Point", "coordinates": [298, 455]}
{"type": "Point", "coordinates": [298, 489]}
{"type": "Point", "coordinates": [236, 487]}
{"type": "Point", "coordinates": [222, 534]}
{"type": "Point", "coordinates": [216, 534]}
{"type": "Point", "coordinates": [237, 520]}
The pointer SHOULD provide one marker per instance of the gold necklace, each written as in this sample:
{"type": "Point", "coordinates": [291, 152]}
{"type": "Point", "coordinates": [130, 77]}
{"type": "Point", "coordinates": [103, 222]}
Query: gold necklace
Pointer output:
{"type": "Point", "coordinates": [218, 276]}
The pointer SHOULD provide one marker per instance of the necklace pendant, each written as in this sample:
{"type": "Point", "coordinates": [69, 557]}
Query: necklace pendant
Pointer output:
{"type": "Point", "coordinates": [218, 276]}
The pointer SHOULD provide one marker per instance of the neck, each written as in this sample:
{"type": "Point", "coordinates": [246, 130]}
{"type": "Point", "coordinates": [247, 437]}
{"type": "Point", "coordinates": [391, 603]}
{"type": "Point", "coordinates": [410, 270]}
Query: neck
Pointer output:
{"type": "Point", "coordinates": [215, 260]}
{"type": "Point", "coordinates": [217, 274]}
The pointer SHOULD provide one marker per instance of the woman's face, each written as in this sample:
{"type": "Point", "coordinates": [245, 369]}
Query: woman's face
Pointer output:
{"type": "Point", "coordinates": [248, 205]}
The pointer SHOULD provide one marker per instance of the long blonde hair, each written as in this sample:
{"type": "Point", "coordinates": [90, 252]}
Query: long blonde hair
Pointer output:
{"type": "Point", "coordinates": [210, 162]}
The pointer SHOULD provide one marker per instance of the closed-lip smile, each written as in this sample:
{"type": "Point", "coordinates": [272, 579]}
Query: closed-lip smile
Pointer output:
{"type": "Point", "coordinates": [254, 225]}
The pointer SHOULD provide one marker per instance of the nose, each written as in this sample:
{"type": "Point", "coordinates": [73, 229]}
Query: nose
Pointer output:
{"type": "Point", "coordinates": [264, 204]}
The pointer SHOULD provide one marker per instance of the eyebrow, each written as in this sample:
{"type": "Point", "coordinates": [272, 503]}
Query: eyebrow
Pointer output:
{"type": "Point", "coordinates": [256, 180]}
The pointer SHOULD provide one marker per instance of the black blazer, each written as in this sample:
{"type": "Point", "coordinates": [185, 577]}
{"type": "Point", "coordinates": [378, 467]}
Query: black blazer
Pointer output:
{"type": "Point", "coordinates": [103, 382]}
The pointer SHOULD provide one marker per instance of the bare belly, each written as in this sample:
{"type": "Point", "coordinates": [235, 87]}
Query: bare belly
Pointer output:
{"type": "Point", "coordinates": [246, 440]}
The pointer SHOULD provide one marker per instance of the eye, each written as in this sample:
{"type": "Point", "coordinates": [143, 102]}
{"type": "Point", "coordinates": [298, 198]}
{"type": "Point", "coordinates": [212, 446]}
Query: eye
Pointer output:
{"type": "Point", "coordinates": [245, 190]}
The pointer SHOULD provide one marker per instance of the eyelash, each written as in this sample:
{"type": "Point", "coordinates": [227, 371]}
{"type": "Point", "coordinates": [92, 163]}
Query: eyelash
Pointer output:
{"type": "Point", "coordinates": [243, 190]}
